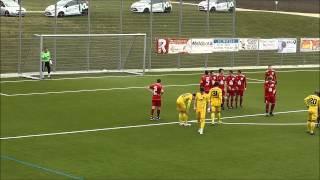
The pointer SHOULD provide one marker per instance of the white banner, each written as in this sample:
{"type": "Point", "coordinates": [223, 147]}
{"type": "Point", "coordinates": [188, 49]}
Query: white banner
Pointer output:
{"type": "Point", "coordinates": [199, 46]}
{"type": "Point", "coordinates": [177, 46]}
{"type": "Point", "coordinates": [249, 44]}
{"type": "Point", "coordinates": [309, 44]}
{"type": "Point", "coordinates": [225, 44]}
{"type": "Point", "coordinates": [268, 44]}
{"type": "Point", "coordinates": [212, 45]}
{"type": "Point", "coordinates": [287, 45]}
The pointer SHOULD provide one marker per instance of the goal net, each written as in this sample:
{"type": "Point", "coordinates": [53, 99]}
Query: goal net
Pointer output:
{"type": "Point", "coordinates": [92, 53]}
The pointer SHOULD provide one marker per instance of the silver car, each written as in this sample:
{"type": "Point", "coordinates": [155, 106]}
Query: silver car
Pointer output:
{"type": "Point", "coordinates": [67, 8]}
{"type": "Point", "coordinates": [216, 5]}
{"type": "Point", "coordinates": [144, 6]}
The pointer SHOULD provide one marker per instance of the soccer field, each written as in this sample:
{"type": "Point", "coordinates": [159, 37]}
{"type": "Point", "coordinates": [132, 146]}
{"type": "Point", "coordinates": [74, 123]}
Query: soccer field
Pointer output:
{"type": "Point", "coordinates": [99, 128]}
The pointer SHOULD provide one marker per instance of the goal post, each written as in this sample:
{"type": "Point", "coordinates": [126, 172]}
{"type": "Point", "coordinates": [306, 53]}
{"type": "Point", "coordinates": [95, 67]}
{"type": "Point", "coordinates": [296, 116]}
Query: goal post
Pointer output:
{"type": "Point", "coordinates": [94, 53]}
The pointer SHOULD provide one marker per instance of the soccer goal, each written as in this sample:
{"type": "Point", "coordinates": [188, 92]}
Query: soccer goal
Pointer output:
{"type": "Point", "coordinates": [93, 53]}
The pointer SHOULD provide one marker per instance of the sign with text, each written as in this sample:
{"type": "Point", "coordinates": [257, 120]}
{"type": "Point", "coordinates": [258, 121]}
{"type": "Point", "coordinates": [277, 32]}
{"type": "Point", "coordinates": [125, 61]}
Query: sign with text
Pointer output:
{"type": "Point", "coordinates": [287, 45]}
{"type": "Point", "coordinates": [268, 44]}
{"type": "Point", "coordinates": [177, 46]}
{"type": "Point", "coordinates": [309, 44]}
{"type": "Point", "coordinates": [200, 46]}
{"type": "Point", "coordinates": [225, 44]}
{"type": "Point", "coordinates": [248, 44]}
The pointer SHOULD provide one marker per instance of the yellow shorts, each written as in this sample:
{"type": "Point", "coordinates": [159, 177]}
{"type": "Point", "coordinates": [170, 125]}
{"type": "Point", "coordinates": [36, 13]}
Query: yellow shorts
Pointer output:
{"type": "Point", "coordinates": [181, 107]}
{"type": "Point", "coordinates": [216, 102]}
{"type": "Point", "coordinates": [201, 114]}
{"type": "Point", "coordinates": [312, 115]}
{"type": "Point", "coordinates": [216, 108]}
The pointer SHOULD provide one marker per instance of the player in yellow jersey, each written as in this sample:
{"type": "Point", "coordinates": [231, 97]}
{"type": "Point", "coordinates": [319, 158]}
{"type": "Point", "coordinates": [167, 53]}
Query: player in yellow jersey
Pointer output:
{"type": "Point", "coordinates": [215, 98]}
{"type": "Point", "coordinates": [313, 104]}
{"type": "Point", "coordinates": [200, 106]}
{"type": "Point", "coordinates": [183, 106]}
{"type": "Point", "coordinates": [318, 119]}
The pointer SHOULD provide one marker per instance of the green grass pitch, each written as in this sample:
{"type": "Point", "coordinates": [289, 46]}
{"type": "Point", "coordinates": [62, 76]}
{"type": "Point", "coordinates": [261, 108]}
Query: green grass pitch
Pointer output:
{"type": "Point", "coordinates": [165, 151]}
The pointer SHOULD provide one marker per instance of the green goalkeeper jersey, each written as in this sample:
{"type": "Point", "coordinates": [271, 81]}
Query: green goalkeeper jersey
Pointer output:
{"type": "Point", "coordinates": [45, 56]}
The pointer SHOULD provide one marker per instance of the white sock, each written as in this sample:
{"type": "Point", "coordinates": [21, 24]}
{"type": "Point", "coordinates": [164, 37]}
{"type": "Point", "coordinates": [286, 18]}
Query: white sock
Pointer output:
{"type": "Point", "coordinates": [201, 131]}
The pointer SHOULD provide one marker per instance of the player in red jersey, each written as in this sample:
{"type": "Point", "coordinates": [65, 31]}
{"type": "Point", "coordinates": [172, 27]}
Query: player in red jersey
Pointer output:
{"type": "Point", "coordinates": [157, 90]}
{"type": "Point", "coordinates": [222, 82]}
{"type": "Point", "coordinates": [241, 86]}
{"type": "Point", "coordinates": [231, 89]}
{"type": "Point", "coordinates": [205, 82]}
{"type": "Point", "coordinates": [214, 77]}
{"type": "Point", "coordinates": [270, 95]}
{"type": "Point", "coordinates": [270, 72]}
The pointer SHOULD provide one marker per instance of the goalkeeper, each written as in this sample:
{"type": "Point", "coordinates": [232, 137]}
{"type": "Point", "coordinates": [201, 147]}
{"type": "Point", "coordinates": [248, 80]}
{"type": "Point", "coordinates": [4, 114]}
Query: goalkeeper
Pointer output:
{"type": "Point", "coordinates": [46, 60]}
{"type": "Point", "coordinates": [183, 106]}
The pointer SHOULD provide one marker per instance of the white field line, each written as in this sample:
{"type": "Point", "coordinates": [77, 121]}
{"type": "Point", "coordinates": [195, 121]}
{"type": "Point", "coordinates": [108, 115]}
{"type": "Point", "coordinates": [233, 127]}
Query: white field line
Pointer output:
{"type": "Point", "coordinates": [96, 90]}
{"type": "Point", "coordinates": [287, 71]}
{"type": "Point", "coordinates": [316, 15]}
{"type": "Point", "coordinates": [150, 75]}
{"type": "Point", "coordinates": [162, 70]}
{"type": "Point", "coordinates": [313, 15]}
{"type": "Point", "coordinates": [92, 90]}
{"type": "Point", "coordinates": [3, 94]}
{"type": "Point", "coordinates": [102, 77]}
{"type": "Point", "coordinates": [161, 124]}
{"type": "Point", "coordinates": [265, 124]}
{"type": "Point", "coordinates": [259, 80]}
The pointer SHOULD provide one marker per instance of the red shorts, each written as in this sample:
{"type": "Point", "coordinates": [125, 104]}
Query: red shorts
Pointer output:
{"type": "Point", "coordinates": [240, 92]}
{"type": "Point", "coordinates": [231, 92]}
{"type": "Point", "coordinates": [270, 99]}
{"type": "Point", "coordinates": [207, 89]}
{"type": "Point", "coordinates": [156, 103]}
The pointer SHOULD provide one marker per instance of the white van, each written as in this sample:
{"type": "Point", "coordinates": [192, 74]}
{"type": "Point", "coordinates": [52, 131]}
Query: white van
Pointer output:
{"type": "Point", "coordinates": [11, 8]}
{"type": "Point", "coordinates": [67, 8]}
{"type": "Point", "coordinates": [144, 6]}
{"type": "Point", "coordinates": [217, 5]}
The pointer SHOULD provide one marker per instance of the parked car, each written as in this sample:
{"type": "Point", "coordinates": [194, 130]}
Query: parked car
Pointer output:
{"type": "Point", "coordinates": [11, 8]}
{"type": "Point", "coordinates": [68, 8]}
{"type": "Point", "coordinates": [217, 5]}
{"type": "Point", "coordinates": [144, 6]}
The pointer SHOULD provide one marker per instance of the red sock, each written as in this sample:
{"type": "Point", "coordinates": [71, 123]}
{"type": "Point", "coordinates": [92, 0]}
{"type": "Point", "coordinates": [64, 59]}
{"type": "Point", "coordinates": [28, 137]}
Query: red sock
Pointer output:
{"type": "Point", "coordinates": [231, 101]}
{"type": "Point", "coordinates": [223, 100]}
{"type": "Point", "coordinates": [267, 107]}
{"type": "Point", "coordinates": [272, 107]}
{"type": "Point", "coordinates": [228, 99]}
{"type": "Point", "coordinates": [158, 112]}
{"type": "Point", "coordinates": [236, 101]}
